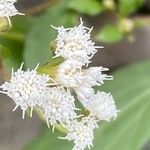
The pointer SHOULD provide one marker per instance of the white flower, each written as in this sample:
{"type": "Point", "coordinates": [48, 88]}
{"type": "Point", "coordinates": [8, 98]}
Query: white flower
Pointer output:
{"type": "Point", "coordinates": [75, 43]}
{"type": "Point", "coordinates": [102, 106]}
{"type": "Point", "coordinates": [69, 74]}
{"type": "Point", "coordinates": [95, 77]}
{"type": "Point", "coordinates": [26, 88]}
{"type": "Point", "coordinates": [81, 133]}
{"type": "Point", "coordinates": [59, 106]}
{"type": "Point", "coordinates": [92, 76]}
{"type": "Point", "coordinates": [7, 9]}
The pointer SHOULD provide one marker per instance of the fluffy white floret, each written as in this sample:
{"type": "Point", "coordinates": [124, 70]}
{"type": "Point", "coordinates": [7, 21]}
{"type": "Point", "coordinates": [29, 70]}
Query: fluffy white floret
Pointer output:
{"type": "Point", "coordinates": [69, 74]}
{"type": "Point", "coordinates": [95, 76]}
{"type": "Point", "coordinates": [59, 106]}
{"type": "Point", "coordinates": [75, 43]}
{"type": "Point", "coordinates": [91, 77]}
{"type": "Point", "coordinates": [7, 9]}
{"type": "Point", "coordinates": [81, 133]}
{"type": "Point", "coordinates": [26, 88]}
{"type": "Point", "coordinates": [102, 106]}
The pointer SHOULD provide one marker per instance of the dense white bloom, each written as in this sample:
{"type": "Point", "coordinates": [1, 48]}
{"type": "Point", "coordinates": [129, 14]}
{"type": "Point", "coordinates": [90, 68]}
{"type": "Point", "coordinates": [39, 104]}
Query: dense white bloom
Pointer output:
{"type": "Point", "coordinates": [7, 9]}
{"type": "Point", "coordinates": [26, 88]}
{"type": "Point", "coordinates": [75, 43]}
{"type": "Point", "coordinates": [81, 133]}
{"type": "Point", "coordinates": [94, 76]}
{"type": "Point", "coordinates": [69, 74]}
{"type": "Point", "coordinates": [102, 106]}
{"type": "Point", "coordinates": [59, 106]}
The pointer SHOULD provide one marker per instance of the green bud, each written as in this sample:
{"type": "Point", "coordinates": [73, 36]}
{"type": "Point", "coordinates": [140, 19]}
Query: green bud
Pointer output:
{"type": "Point", "coordinates": [4, 25]}
{"type": "Point", "coordinates": [109, 4]}
{"type": "Point", "coordinates": [126, 25]}
{"type": "Point", "coordinates": [53, 46]}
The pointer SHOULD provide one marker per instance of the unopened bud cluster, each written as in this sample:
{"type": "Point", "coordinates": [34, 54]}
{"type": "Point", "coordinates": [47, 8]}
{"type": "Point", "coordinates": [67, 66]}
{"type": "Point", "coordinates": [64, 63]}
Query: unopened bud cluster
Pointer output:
{"type": "Point", "coordinates": [73, 83]}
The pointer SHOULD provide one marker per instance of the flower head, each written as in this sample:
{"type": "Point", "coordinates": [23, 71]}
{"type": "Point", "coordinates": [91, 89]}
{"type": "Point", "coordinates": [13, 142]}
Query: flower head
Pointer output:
{"type": "Point", "coordinates": [102, 106]}
{"type": "Point", "coordinates": [91, 77]}
{"type": "Point", "coordinates": [94, 76]}
{"type": "Point", "coordinates": [69, 74]}
{"type": "Point", "coordinates": [7, 9]}
{"type": "Point", "coordinates": [75, 43]}
{"type": "Point", "coordinates": [26, 88]}
{"type": "Point", "coordinates": [81, 133]}
{"type": "Point", "coordinates": [59, 106]}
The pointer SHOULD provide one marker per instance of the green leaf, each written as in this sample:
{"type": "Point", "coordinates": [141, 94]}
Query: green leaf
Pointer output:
{"type": "Point", "coordinates": [109, 34]}
{"type": "Point", "coordinates": [22, 23]}
{"type": "Point", "coordinates": [14, 41]}
{"type": "Point", "coordinates": [131, 89]}
{"type": "Point", "coordinates": [6, 56]}
{"type": "Point", "coordinates": [89, 7]}
{"type": "Point", "coordinates": [129, 6]}
{"type": "Point", "coordinates": [130, 131]}
{"type": "Point", "coordinates": [49, 141]}
{"type": "Point", "coordinates": [42, 34]}
{"type": "Point", "coordinates": [15, 53]}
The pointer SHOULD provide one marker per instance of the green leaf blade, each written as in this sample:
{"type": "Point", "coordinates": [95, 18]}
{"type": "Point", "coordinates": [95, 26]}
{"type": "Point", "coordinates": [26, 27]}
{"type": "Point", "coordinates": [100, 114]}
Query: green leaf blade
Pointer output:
{"type": "Point", "coordinates": [129, 6]}
{"type": "Point", "coordinates": [109, 34]}
{"type": "Point", "coordinates": [89, 7]}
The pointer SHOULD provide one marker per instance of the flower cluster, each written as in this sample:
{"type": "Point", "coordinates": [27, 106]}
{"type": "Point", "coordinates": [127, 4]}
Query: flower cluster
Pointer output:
{"type": "Point", "coordinates": [75, 43]}
{"type": "Point", "coordinates": [7, 9]}
{"type": "Point", "coordinates": [59, 106]}
{"type": "Point", "coordinates": [73, 82]}
{"type": "Point", "coordinates": [26, 88]}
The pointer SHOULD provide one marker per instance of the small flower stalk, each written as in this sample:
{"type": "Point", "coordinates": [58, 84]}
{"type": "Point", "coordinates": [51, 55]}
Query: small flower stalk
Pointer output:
{"type": "Point", "coordinates": [72, 83]}
{"type": "Point", "coordinates": [7, 9]}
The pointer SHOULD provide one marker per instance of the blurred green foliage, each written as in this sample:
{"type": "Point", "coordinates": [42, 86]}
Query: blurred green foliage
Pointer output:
{"type": "Point", "coordinates": [89, 7]}
{"type": "Point", "coordinates": [110, 34]}
{"type": "Point", "coordinates": [122, 9]}
{"type": "Point", "coordinates": [126, 7]}
{"type": "Point", "coordinates": [14, 41]}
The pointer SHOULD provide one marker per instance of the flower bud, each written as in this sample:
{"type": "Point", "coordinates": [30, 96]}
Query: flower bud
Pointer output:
{"type": "Point", "coordinates": [126, 25]}
{"type": "Point", "coordinates": [109, 4]}
{"type": "Point", "coordinates": [4, 25]}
